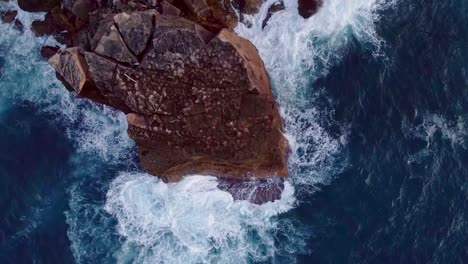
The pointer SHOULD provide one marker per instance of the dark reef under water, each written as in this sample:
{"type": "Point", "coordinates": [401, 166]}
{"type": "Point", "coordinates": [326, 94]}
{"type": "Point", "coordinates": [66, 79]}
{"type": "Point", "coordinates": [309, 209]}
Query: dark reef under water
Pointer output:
{"type": "Point", "coordinates": [403, 197]}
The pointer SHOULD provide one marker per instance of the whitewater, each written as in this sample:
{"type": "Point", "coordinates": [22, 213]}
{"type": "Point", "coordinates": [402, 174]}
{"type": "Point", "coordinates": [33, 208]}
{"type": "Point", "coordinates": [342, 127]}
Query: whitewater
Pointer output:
{"type": "Point", "coordinates": [193, 221]}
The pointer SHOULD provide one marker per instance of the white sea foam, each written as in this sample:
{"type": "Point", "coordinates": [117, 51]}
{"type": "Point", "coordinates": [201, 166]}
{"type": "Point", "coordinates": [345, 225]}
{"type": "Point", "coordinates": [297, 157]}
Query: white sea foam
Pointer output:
{"type": "Point", "coordinates": [432, 124]}
{"type": "Point", "coordinates": [191, 221]}
{"type": "Point", "coordinates": [297, 52]}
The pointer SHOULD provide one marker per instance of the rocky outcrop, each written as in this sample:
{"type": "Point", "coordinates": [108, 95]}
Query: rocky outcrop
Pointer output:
{"type": "Point", "coordinates": [197, 96]}
{"type": "Point", "coordinates": [197, 102]}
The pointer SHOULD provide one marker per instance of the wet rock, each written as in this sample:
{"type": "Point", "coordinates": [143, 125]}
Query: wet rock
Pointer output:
{"type": "Point", "coordinates": [71, 68]}
{"type": "Point", "coordinates": [254, 191]}
{"type": "Point", "coordinates": [18, 25]}
{"type": "Point", "coordinates": [38, 5]}
{"type": "Point", "coordinates": [276, 7]}
{"type": "Point", "coordinates": [41, 28]}
{"type": "Point", "coordinates": [9, 16]}
{"type": "Point", "coordinates": [48, 52]}
{"type": "Point", "coordinates": [307, 8]}
{"type": "Point", "coordinates": [54, 22]}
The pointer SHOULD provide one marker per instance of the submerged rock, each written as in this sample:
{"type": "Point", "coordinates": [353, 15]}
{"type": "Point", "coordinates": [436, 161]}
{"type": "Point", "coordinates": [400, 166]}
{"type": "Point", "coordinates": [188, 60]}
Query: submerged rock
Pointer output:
{"type": "Point", "coordinates": [276, 7]}
{"type": "Point", "coordinates": [254, 191]}
{"type": "Point", "coordinates": [9, 16]}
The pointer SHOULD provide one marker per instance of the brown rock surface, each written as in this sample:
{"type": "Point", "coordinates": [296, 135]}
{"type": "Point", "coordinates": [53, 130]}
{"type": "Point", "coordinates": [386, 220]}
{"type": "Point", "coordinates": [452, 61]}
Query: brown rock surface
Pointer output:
{"type": "Point", "coordinates": [197, 96]}
{"type": "Point", "coordinates": [198, 103]}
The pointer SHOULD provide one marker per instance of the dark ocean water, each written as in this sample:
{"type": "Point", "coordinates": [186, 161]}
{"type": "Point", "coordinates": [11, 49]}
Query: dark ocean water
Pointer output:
{"type": "Point", "coordinates": [396, 191]}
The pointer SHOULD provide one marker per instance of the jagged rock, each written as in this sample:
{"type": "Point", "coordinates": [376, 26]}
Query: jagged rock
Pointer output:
{"type": "Point", "coordinates": [41, 28]}
{"type": "Point", "coordinates": [55, 21]}
{"type": "Point", "coordinates": [169, 9]}
{"type": "Point", "coordinates": [198, 103]}
{"type": "Point", "coordinates": [9, 16]}
{"type": "Point", "coordinates": [136, 29]}
{"type": "Point", "coordinates": [307, 8]}
{"type": "Point", "coordinates": [38, 5]}
{"type": "Point", "coordinates": [72, 69]}
{"type": "Point", "coordinates": [48, 52]}
{"type": "Point", "coordinates": [113, 46]}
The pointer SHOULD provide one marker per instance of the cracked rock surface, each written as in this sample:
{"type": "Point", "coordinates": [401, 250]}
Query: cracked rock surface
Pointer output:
{"type": "Point", "coordinates": [197, 101]}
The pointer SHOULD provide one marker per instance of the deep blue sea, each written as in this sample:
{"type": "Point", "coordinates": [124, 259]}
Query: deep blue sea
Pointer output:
{"type": "Point", "coordinates": [374, 95]}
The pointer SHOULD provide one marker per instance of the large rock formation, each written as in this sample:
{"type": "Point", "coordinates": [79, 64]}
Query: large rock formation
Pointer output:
{"type": "Point", "coordinates": [197, 96]}
{"type": "Point", "coordinates": [197, 102]}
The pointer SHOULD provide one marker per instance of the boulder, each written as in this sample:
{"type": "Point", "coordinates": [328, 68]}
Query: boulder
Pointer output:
{"type": "Point", "coordinates": [255, 191]}
{"type": "Point", "coordinates": [48, 52]}
{"type": "Point", "coordinates": [71, 68]}
{"type": "Point", "coordinates": [307, 8]}
{"type": "Point", "coordinates": [197, 103]}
